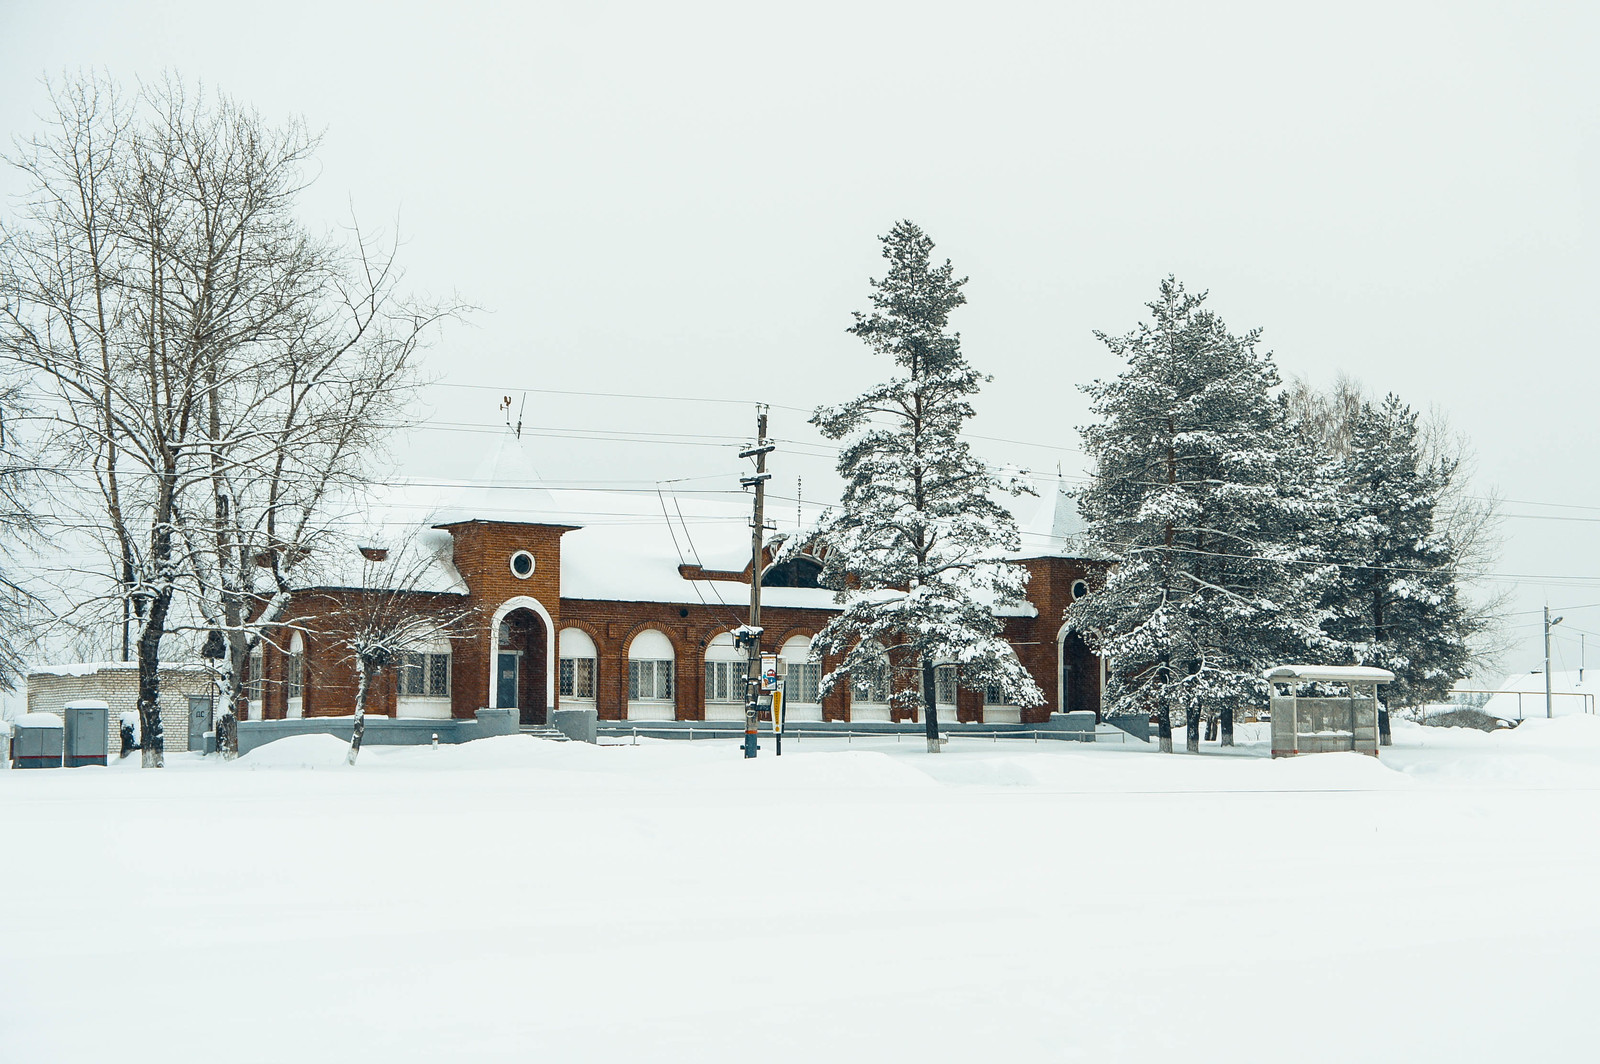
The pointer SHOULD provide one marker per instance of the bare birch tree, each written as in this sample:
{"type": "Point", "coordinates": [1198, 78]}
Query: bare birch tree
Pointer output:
{"type": "Point", "coordinates": [218, 370]}
{"type": "Point", "coordinates": [395, 610]}
{"type": "Point", "coordinates": [19, 476]}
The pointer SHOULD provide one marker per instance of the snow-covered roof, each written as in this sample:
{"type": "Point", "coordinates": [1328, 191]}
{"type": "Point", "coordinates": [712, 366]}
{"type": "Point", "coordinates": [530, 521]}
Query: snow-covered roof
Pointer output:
{"type": "Point", "coordinates": [1569, 695]}
{"type": "Point", "coordinates": [90, 668]}
{"type": "Point", "coordinates": [627, 545]}
{"type": "Point", "coordinates": [391, 552]}
{"type": "Point", "coordinates": [1049, 522]}
{"type": "Point", "coordinates": [1362, 674]}
{"type": "Point", "coordinates": [37, 720]}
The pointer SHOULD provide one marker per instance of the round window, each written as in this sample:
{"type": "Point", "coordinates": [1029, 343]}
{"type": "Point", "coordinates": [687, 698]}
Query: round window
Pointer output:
{"type": "Point", "coordinates": [522, 565]}
{"type": "Point", "coordinates": [1080, 588]}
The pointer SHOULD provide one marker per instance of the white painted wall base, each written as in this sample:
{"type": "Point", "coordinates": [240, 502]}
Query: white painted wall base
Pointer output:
{"type": "Point", "coordinates": [859, 712]}
{"type": "Point", "coordinates": [724, 711]}
{"type": "Point", "coordinates": [653, 711]}
{"type": "Point", "coordinates": [423, 708]}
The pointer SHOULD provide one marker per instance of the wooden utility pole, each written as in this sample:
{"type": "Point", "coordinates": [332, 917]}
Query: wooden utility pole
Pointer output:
{"type": "Point", "coordinates": [758, 527]}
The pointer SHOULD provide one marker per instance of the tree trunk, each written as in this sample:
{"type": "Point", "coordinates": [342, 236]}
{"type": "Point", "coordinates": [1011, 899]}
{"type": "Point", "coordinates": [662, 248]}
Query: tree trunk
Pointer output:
{"type": "Point", "coordinates": [363, 682]}
{"type": "Point", "coordinates": [226, 724]}
{"type": "Point", "coordinates": [1227, 725]}
{"type": "Point", "coordinates": [152, 739]}
{"type": "Point", "coordinates": [1164, 729]}
{"type": "Point", "coordinates": [1191, 720]}
{"type": "Point", "coordinates": [1211, 729]}
{"type": "Point", "coordinates": [930, 706]}
{"type": "Point", "coordinates": [226, 730]}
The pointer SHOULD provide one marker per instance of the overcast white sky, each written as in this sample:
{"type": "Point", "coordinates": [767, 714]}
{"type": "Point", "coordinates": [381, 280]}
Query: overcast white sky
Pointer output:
{"type": "Point", "coordinates": [685, 200]}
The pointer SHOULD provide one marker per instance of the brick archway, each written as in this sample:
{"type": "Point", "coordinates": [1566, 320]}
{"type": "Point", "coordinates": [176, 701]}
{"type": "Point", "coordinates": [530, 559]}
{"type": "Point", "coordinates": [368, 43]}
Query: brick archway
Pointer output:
{"type": "Point", "coordinates": [533, 605]}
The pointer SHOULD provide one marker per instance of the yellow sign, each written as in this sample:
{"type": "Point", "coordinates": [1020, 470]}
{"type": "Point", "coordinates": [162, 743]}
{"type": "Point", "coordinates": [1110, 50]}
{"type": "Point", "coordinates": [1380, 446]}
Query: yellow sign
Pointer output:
{"type": "Point", "coordinates": [777, 711]}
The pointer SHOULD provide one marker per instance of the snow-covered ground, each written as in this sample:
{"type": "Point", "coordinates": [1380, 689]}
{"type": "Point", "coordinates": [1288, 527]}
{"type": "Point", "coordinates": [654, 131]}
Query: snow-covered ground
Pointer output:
{"type": "Point", "coordinates": [515, 900]}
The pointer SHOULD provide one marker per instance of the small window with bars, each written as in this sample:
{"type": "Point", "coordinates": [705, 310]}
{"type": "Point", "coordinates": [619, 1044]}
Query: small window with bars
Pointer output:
{"type": "Point", "coordinates": [577, 678]}
{"type": "Point", "coordinates": [425, 675]}
{"type": "Point", "coordinates": [296, 678]}
{"type": "Point", "coordinates": [725, 680]}
{"type": "Point", "coordinates": [649, 681]}
{"type": "Point", "coordinates": [871, 682]}
{"type": "Point", "coordinates": [945, 684]}
{"type": "Point", "coordinates": [252, 677]}
{"type": "Point", "coordinates": [993, 696]}
{"type": "Point", "coordinates": [802, 681]}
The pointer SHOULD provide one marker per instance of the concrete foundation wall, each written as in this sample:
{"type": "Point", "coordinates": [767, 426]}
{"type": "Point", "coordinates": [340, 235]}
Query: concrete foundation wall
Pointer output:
{"type": "Point", "coordinates": [380, 731]}
{"type": "Point", "coordinates": [581, 725]}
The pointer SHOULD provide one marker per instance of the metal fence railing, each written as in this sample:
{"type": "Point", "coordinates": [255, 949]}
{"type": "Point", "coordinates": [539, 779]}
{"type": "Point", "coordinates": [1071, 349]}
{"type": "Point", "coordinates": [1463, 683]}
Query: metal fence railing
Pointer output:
{"type": "Point", "coordinates": [850, 735]}
{"type": "Point", "coordinates": [1536, 700]}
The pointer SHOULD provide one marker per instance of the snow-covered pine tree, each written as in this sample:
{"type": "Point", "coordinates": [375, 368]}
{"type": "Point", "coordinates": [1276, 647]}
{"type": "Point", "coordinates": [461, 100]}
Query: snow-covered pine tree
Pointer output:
{"type": "Point", "coordinates": [917, 549]}
{"type": "Point", "coordinates": [1205, 500]}
{"type": "Point", "coordinates": [1396, 603]}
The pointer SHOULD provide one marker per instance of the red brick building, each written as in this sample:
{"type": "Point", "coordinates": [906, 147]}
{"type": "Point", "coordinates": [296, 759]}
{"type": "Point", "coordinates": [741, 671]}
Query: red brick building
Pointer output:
{"type": "Point", "coordinates": [620, 603]}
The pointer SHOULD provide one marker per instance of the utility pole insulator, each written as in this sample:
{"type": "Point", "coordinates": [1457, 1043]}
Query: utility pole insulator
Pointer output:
{"type": "Point", "coordinates": [754, 452]}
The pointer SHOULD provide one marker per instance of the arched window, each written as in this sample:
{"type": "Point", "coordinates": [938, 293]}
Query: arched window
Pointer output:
{"type": "Point", "coordinates": [870, 688]}
{"type": "Point", "coordinates": [946, 682]}
{"type": "Point", "coordinates": [578, 657]}
{"type": "Point", "coordinates": [997, 708]}
{"type": "Point", "coordinates": [799, 571]}
{"type": "Point", "coordinates": [801, 679]}
{"type": "Point", "coordinates": [253, 709]}
{"type": "Point", "coordinates": [727, 667]}
{"type": "Point", "coordinates": [294, 679]}
{"type": "Point", "coordinates": [650, 662]}
{"type": "Point", "coordinates": [424, 687]}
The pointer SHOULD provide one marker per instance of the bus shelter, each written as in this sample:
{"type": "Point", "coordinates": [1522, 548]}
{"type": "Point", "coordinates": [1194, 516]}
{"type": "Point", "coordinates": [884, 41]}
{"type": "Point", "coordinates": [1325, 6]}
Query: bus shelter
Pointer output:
{"type": "Point", "coordinates": [1317, 709]}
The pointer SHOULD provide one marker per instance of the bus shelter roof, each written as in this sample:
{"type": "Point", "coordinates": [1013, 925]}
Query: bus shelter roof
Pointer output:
{"type": "Point", "coordinates": [1353, 674]}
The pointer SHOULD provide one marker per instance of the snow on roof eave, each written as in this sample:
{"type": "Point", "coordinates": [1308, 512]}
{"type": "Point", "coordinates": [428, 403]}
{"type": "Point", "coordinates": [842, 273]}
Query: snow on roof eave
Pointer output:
{"type": "Point", "coordinates": [1065, 553]}
{"type": "Point", "coordinates": [447, 525]}
{"type": "Point", "coordinates": [1329, 673]}
{"type": "Point", "coordinates": [380, 587]}
{"type": "Point", "coordinates": [89, 668]}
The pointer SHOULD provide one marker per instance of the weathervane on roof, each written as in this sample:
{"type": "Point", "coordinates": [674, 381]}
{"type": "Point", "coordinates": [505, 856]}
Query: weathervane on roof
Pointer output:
{"type": "Point", "coordinates": [505, 410]}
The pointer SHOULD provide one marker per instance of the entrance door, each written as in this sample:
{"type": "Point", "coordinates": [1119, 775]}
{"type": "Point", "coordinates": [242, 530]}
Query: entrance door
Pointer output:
{"type": "Point", "coordinates": [199, 721]}
{"type": "Point", "coordinates": [506, 680]}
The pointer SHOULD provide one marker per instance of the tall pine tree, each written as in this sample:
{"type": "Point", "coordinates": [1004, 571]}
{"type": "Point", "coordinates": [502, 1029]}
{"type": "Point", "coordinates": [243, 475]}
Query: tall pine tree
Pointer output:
{"type": "Point", "coordinates": [1206, 502]}
{"type": "Point", "coordinates": [1396, 603]}
{"type": "Point", "coordinates": [917, 549]}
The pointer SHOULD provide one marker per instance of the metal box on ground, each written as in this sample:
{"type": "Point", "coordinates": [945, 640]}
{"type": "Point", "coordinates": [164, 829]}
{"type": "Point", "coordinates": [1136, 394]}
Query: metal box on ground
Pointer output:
{"type": "Point", "coordinates": [86, 738]}
{"type": "Point", "coordinates": [1318, 709]}
{"type": "Point", "coordinates": [36, 741]}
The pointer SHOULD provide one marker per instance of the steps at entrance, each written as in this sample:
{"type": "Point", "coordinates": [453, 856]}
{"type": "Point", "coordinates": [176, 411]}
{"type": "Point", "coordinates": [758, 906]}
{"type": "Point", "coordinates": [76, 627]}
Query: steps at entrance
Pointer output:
{"type": "Point", "coordinates": [544, 731]}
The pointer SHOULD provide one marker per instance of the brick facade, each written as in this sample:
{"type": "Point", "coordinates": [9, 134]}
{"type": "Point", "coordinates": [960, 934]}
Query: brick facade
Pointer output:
{"type": "Point", "coordinates": [524, 615]}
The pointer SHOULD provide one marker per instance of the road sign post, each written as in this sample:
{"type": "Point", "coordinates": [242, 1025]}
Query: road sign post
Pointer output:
{"type": "Point", "coordinates": [777, 718]}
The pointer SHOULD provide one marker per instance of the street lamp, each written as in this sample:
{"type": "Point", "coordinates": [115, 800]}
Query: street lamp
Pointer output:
{"type": "Point", "coordinates": [1549, 710]}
